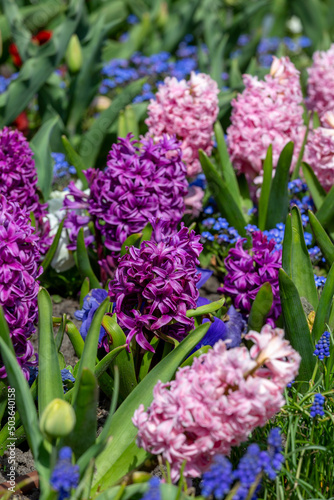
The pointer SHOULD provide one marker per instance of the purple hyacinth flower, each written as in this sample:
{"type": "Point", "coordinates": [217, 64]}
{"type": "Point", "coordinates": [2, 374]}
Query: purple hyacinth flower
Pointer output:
{"type": "Point", "coordinates": [19, 259]}
{"type": "Point", "coordinates": [65, 476]}
{"type": "Point", "coordinates": [18, 181]}
{"type": "Point", "coordinates": [141, 182]}
{"type": "Point", "coordinates": [90, 305]}
{"type": "Point", "coordinates": [248, 270]}
{"type": "Point", "coordinates": [155, 284]}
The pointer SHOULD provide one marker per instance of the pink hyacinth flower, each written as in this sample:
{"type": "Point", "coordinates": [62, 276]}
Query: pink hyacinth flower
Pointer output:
{"type": "Point", "coordinates": [187, 109]}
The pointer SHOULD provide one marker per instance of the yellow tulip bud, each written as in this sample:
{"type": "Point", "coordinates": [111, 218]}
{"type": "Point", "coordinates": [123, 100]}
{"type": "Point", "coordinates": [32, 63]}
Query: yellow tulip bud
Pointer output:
{"type": "Point", "coordinates": [74, 54]}
{"type": "Point", "coordinates": [58, 419]}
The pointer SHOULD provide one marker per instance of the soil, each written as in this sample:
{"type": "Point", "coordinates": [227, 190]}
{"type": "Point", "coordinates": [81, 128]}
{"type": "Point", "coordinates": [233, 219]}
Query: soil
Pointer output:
{"type": "Point", "coordinates": [24, 459]}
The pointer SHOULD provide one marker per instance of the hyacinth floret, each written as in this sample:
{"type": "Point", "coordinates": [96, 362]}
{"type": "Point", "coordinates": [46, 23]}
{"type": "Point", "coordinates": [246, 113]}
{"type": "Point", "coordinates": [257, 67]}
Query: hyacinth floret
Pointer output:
{"type": "Point", "coordinates": [65, 475]}
{"type": "Point", "coordinates": [323, 345]}
{"type": "Point", "coordinates": [320, 87]}
{"type": "Point", "coordinates": [215, 403]}
{"type": "Point", "coordinates": [18, 180]}
{"type": "Point", "coordinates": [248, 270]}
{"type": "Point", "coordinates": [319, 151]}
{"type": "Point", "coordinates": [189, 110]}
{"type": "Point", "coordinates": [19, 259]}
{"type": "Point", "coordinates": [141, 182]}
{"type": "Point", "coordinates": [155, 284]}
{"type": "Point", "coordinates": [153, 493]}
{"type": "Point", "coordinates": [266, 112]}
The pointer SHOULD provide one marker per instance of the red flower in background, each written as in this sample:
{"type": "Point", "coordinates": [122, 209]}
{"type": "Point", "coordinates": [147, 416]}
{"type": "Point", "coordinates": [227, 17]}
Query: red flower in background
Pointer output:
{"type": "Point", "coordinates": [40, 39]}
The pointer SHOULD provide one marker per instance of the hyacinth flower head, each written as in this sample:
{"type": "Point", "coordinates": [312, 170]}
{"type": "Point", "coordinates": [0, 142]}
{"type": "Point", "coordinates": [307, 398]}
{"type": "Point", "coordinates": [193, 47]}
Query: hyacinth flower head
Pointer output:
{"type": "Point", "coordinates": [141, 182]}
{"type": "Point", "coordinates": [248, 270]}
{"type": "Point", "coordinates": [155, 284]}
{"type": "Point", "coordinates": [266, 112]}
{"type": "Point", "coordinates": [217, 402]}
{"type": "Point", "coordinates": [320, 85]}
{"type": "Point", "coordinates": [18, 180]}
{"type": "Point", "coordinates": [319, 151]}
{"type": "Point", "coordinates": [187, 109]}
{"type": "Point", "coordinates": [19, 258]}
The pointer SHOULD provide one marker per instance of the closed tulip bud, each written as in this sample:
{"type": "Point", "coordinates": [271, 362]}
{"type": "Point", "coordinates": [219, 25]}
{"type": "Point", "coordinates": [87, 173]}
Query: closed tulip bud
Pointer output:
{"type": "Point", "coordinates": [74, 54]}
{"type": "Point", "coordinates": [58, 419]}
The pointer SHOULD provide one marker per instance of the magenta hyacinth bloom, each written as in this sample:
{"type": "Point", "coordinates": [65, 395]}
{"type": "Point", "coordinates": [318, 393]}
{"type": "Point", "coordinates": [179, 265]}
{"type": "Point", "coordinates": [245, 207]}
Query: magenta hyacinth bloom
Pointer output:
{"type": "Point", "coordinates": [155, 284]}
{"type": "Point", "coordinates": [248, 270]}
{"type": "Point", "coordinates": [18, 180]}
{"type": "Point", "coordinates": [140, 182]}
{"type": "Point", "coordinates": [319, 151]}
{"type": "Point", "coordinates": [189, 110]}
{"type": "Point", "coordinates": [267, 112]}
{"type": "Point", "coordinates": [217, 402]}
{"type": "Point", "coordinates": [320, 86]}
{"type": "Point", "coordinates": [19, 257]}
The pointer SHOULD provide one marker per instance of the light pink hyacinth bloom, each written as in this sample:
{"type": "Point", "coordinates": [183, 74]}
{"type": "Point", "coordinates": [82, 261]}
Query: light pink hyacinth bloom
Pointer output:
{"type": "Point", "coordinates": [193, 201]}
{"type": "Point", "coordinates": [319, 151]}
{"type": "Point", "coordinates": [217, 402]}
{"type": "Point", "coordinates": [189, 110]}
{"type": "Point", "coordinates": [266, 112]}
{"type": "Point", "coordinates": [320, 86]}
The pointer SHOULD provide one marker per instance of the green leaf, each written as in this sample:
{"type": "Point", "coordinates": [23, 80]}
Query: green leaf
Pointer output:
{"type": "Point", "coordinates": [75, 160]}
{"type": "Point", "coordinates": [146, 233]}
{"type": "Point", "coordinates": [323, 240]}
{"type": "Point", "coordinates": [23, 399]}
{"type": "Point", "coordinates": [287, 243]}
{"type": "Point", "coordinates": [83, 435]}
{"type": "Point", "coordinates": [84, 266]}
{"type": "Point", "coordinates": [90, 348]}
{"type": "Point", "coordinates": [92, 140]}
{"type": "Point", "coordinates": [4, 332]}
{"type": "Point", "coordinates": [317, 191]}
{"type": "Point", "coordinates": [52, 250]}
{"type": "Point", "coordinates": [40, 144]}
{"type": "Point", "coordinates": [75, 338]}
{"type": "Point", "coordinates": [60, 334]}
{"type": "Point", "coordinates": [85, 288]}
{"type": "Point", "coordinates": [324, 307]}
{"type": "Point", "coordinates": [296, 327]}
{"type": "Point", "coordinates": [122, 453]}
{"type": "Point", "coordinates": [124, 361]}
{"type": "Point", "coordinates": [84, 85]}
{"type": "Point", "coordinates": [147, 359]}
{"type": "Point", "coordinates": [103, 438]}
{"type": "Point", "coordinates": [20, 34]}
{"type": "Point", "coordinates": [49, 378]}
{"type": "Point", "coordinates": [226, 168]}
{"type": "Point", "coordinates": [36, 70]}
{"type": "Point", "coordinates": [325, 213]}
{"type": "Point", "coordinates": [295, 173]}
{"type": "Point", "coordinates": [266, 187]}
{"type": "Point", "coordinates": [130, 241]}
{"type": "Point", "coordinates": [301, 267]}
{"type": "Point", "coordinates": [260, 308]}
{"type": "Point", "coordinates": [103, 365]}
{"type": "Point", "coordinates": [206, 309]}
{"type": "Point", "coordinates": [222, 195]}
{"type": "Point", "coordinates": [279, 196]}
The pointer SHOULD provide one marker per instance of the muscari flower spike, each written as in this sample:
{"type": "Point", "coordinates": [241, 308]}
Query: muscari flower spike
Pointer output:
{"type": "Point", "coordinates": [322, 346]}
{"type": "Point", "coordinates": [65, 475]}
{"type": "Point", "coordinates": [317, 407]}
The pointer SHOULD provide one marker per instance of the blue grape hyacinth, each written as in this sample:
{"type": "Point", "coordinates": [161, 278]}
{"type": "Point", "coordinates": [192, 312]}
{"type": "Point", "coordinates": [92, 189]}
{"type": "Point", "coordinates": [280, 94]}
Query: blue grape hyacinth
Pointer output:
{"type": "Point", "coordinates": [322, 347]}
